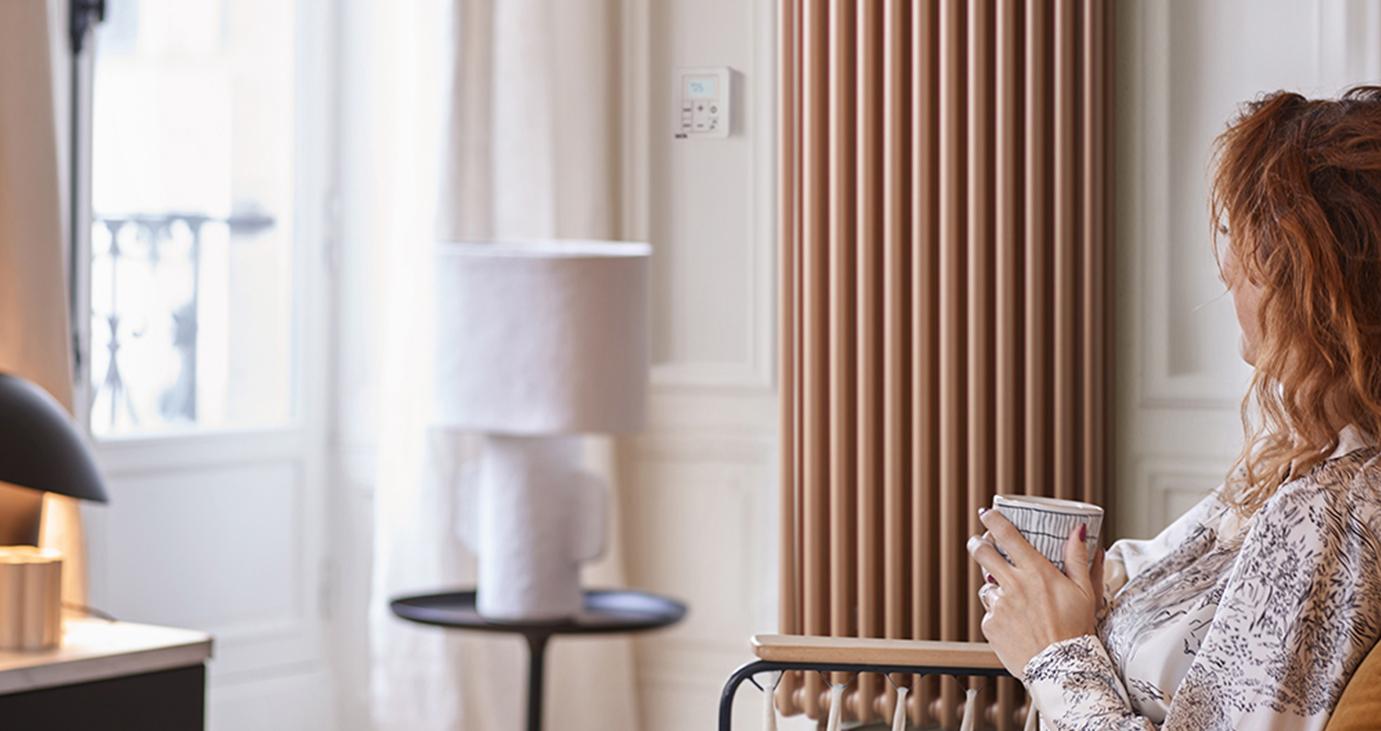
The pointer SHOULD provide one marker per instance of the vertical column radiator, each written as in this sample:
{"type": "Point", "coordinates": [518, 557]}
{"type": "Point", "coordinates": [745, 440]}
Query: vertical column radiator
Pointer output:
{"type": "Point", "coordinates": [945, 265]}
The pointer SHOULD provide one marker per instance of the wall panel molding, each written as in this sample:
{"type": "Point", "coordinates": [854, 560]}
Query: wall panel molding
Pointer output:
{"type": "Point", "coordinates": [1150, 118]}
{"type": "Point", "coordinates": [698, 484]}
{"type": "Point", "coordinates": [1169, 485]}
{"type": "Point", "coordinates": [741, 448]}
{"type": "Point", "coordinates": [1164, 117]}
{"type": "Point", "coordinates": [752, 369]}
{"type": "Point", "coordinates": [1347, 40]}
{"type": "Point", "coordinates": [259, 505]}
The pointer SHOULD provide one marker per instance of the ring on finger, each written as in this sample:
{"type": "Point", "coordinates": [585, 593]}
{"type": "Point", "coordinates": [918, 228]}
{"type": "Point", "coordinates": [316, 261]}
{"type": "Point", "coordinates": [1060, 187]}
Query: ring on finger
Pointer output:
{"type": "Point", "coordinates": [988, 594]}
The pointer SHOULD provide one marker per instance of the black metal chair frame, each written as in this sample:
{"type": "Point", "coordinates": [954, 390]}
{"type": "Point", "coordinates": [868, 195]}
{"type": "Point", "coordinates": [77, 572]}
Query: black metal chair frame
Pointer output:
{"type": "Point", "coordinates": [749, 670]}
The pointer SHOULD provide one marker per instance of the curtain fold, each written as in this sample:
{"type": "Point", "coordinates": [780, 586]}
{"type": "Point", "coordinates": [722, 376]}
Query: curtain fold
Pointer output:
{"type": "Point", "coordinates": [518, 131]}
{"type": "Point", "coordinates": [944, 216]}
{"type": "Point", "coordinates": [35, 331]}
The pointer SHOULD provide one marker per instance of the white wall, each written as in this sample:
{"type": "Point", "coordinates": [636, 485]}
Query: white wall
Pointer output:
{"type": "Point", "coordinates": [1183, 66]}
{"type": "Point", "coordinates": [700, 515]}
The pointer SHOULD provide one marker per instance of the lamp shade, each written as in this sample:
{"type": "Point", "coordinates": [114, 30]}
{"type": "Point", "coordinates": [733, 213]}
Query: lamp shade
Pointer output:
{"type": "Point", "coordinates": [39, 445]}
{"type": "Point", "coordinates": [542, 337]}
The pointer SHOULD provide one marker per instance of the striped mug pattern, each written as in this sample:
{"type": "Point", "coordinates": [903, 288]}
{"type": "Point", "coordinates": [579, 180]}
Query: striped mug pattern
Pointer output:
{"type": "Point", "coordinates": [1047, 522]}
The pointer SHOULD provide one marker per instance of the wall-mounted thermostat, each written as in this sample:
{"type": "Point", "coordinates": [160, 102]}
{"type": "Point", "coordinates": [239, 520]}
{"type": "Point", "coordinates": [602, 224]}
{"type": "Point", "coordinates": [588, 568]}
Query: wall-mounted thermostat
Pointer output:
{"type": "Point", "coordinates": [702, 102]}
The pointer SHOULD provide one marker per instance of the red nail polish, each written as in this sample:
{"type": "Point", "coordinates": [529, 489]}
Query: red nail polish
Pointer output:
{"type": "Point", "coordinates": [992, 580]}
{"type": "Point", "coordinates": [1083, 531]}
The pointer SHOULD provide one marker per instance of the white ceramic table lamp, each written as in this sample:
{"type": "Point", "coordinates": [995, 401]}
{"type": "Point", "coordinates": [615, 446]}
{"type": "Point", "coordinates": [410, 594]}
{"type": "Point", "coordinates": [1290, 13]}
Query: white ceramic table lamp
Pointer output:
{"type": "Point", "coordinates": [538, 343]}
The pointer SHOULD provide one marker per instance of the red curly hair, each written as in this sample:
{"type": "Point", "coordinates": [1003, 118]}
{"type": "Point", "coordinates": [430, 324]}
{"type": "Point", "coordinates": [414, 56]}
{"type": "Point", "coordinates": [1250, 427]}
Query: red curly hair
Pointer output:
{"type": "Point", "coordinates": [1296, 193]}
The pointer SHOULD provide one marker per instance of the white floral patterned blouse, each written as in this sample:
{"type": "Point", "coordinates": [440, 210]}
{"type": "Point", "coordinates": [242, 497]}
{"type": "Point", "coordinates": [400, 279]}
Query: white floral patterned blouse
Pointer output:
{"type": "Point", "coordinates": [1218, 623]}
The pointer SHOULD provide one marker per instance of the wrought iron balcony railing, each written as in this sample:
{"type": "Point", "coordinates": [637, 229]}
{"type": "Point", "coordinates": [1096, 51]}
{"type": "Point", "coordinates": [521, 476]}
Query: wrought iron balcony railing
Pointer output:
{"type": "Point", "coordinates": [163, 251]}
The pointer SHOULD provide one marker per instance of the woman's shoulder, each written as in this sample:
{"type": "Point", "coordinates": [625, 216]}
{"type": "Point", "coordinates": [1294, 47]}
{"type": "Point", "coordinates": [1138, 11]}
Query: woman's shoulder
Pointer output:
{"type": "Point", "coordinates": [1345, 490]}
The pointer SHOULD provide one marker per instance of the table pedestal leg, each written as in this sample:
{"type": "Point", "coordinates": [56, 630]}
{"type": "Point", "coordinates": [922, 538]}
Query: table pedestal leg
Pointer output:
{"type": "Point", "coordinates": [536, 663]}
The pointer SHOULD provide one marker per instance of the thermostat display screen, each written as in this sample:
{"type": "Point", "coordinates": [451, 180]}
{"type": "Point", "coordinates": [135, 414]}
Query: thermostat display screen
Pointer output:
{"type": "Point", "coordinates": [700, 87]}
{"type": "Point", "coordinates": [702, 102]}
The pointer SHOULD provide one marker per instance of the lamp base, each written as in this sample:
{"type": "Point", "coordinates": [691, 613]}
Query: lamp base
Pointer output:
{"type": "Point", "coordinates": [537, 517]}
{"type": "Point", "coordinates": [21, 515]}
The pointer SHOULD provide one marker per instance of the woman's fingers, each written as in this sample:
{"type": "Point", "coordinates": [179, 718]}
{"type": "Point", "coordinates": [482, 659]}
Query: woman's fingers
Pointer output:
{"type": "Point", "coordinates": [1013, 543]}
{"type": "Point", "coordinates": [1097, 578]}
{"type": "Point", "coordinates": [987, 556]}
{"type": "Point", "coordinates": [988, 594]}
{"type": "Point", "coordinates": [1076, 558]}
{"type": "Point", "coordinates": [987, 577]}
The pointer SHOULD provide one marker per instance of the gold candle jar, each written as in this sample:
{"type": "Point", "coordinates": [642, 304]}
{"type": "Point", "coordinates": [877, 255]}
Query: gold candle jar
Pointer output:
{"type": "Point", "coordinates": [30, 598]}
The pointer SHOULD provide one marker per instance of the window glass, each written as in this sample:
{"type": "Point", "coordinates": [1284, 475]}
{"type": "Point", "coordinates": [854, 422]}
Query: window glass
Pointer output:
{"type": "Point", "coordinates": [192, 233]}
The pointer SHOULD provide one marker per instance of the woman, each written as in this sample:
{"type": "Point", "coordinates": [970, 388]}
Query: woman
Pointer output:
{"type": "Point", "coordinates": [1253, 609]}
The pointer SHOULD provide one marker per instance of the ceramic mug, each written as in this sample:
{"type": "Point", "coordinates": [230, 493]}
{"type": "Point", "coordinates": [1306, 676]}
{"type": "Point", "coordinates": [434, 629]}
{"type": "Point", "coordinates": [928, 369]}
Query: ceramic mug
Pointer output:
{"type": "Point", "coordinates": [1046, 522]}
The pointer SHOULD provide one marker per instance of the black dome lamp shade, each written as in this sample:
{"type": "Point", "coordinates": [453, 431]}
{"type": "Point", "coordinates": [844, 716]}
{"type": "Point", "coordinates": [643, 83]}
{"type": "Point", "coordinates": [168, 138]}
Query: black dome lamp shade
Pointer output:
{"type": "Point", "coordinates": [40, 449]}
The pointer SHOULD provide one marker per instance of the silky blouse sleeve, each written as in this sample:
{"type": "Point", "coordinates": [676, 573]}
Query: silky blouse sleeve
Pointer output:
{"type": "Point", "coordinates": [1130, 556]}
{"type": "Point", "coordinates": [1299, 611]}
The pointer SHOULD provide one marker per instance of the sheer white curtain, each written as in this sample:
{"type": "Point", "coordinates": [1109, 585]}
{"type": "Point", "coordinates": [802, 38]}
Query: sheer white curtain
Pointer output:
{"type": "Point", "coordinates": [35, 333]}
{"type": "Point", "coordinates": [508, 108]}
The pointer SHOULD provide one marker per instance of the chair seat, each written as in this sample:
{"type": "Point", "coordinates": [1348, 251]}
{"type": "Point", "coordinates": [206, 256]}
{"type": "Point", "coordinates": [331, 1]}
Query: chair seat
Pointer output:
{"type": "Point", "coordinates": [1360, 706]}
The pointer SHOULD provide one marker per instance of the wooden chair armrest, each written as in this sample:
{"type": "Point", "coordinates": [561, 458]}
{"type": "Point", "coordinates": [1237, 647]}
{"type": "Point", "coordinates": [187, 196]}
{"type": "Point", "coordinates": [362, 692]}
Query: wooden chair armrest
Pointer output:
{"type": "Point", "coordinates": [859, 651]}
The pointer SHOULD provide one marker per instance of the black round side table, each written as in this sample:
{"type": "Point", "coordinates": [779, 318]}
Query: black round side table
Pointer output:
{"type": "Point", "coordinates": [605, 612]}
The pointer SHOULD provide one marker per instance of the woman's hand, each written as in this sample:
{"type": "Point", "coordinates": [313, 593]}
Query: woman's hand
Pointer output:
{"type": "Point", "coordinates": [1030, 604]}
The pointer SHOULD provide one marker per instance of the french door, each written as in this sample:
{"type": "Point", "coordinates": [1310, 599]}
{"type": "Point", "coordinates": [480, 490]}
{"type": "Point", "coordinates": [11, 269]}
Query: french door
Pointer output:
{"type": "Point", "coordinates": [201, 187]}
